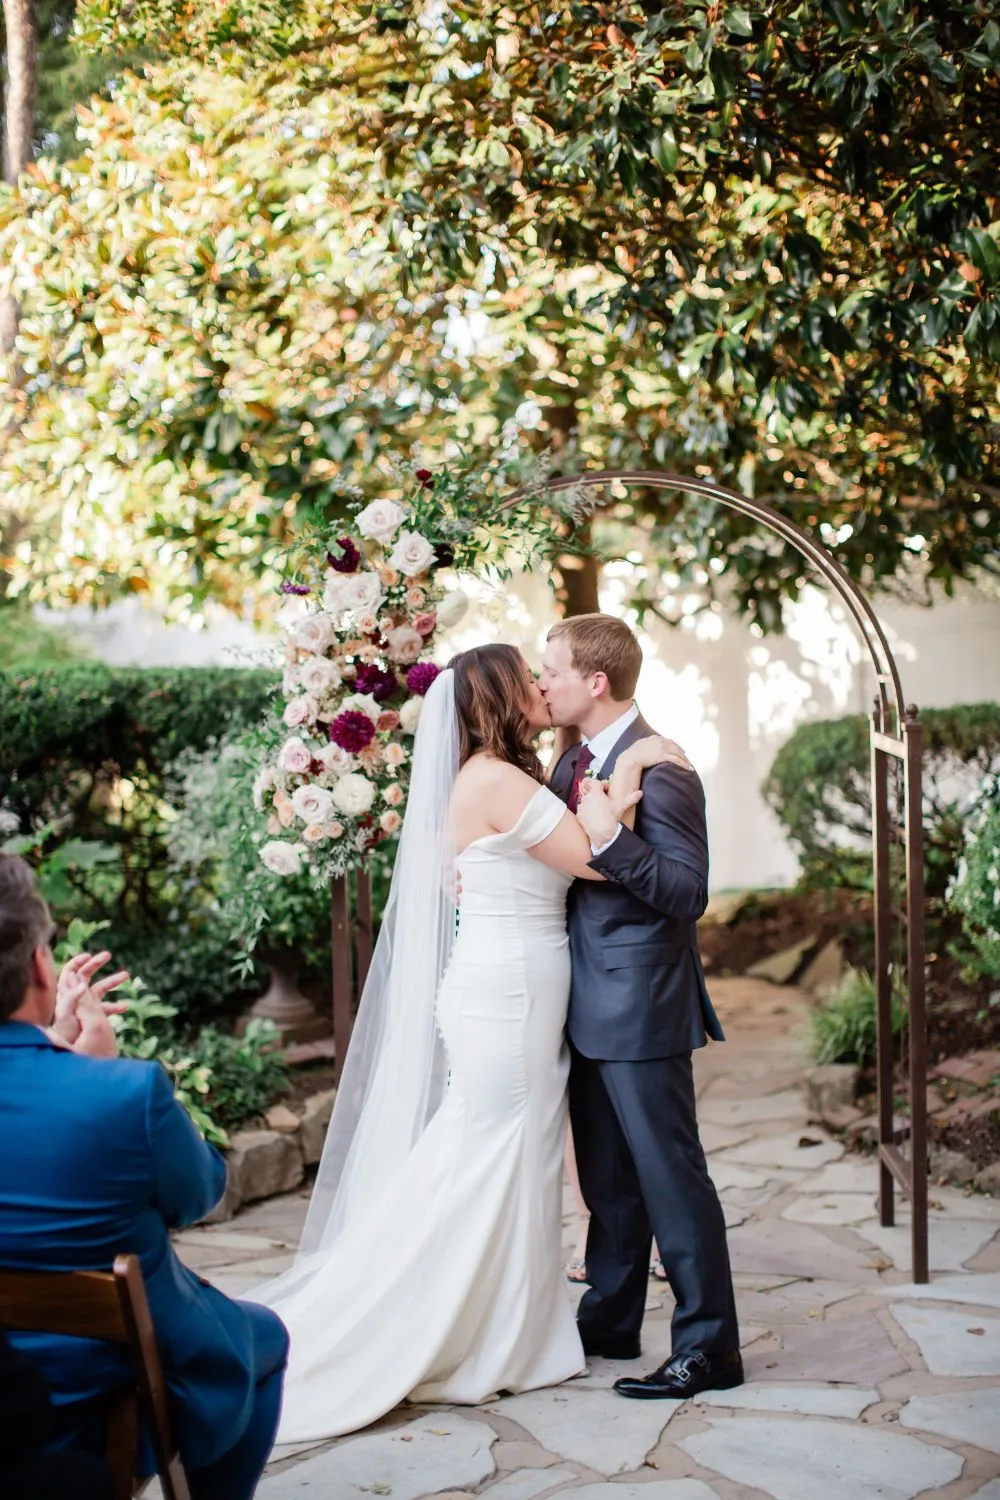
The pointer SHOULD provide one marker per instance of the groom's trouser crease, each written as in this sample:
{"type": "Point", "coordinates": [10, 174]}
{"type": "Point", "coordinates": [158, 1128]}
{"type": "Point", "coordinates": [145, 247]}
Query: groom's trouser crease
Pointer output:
{"type": "Point", "coordinates": [643, 1173]}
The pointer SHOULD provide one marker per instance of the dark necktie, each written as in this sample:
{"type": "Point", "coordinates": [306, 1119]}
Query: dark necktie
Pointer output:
{"type": "Point", "coordinates": [583, 762]}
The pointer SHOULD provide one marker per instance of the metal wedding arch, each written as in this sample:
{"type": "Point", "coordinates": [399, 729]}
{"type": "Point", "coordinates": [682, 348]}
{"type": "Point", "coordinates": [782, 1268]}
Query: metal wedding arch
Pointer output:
{"type": "Point", "coordinates": [897, 858]}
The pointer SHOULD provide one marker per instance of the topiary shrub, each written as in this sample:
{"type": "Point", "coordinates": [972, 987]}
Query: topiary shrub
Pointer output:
{"type": "Point", "coordinates": [820, 788]}
{"type": "Point", "coordinates": [975, 892]}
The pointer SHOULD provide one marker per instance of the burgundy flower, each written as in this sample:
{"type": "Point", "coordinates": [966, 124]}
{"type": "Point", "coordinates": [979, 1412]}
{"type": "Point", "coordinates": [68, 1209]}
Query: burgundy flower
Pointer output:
{"type": "Point", "coordinates": [376, 682]}
{"type": "Point", "coordinates": [350, 558]}
{"type": "Point", "coordinates": [420, 677]}
{"type": "Point", "coordinates": [352, 731]}
{"type": "Point", "coordinates": [426, 478]}
{"type": "Point", "coordinates": [444, 554]}
{"type": "Point", "coordinates": [298, 589]}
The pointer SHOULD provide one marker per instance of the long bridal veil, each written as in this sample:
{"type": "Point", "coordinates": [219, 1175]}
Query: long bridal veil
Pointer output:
{"type": "Point", "coordinates": [395, 1073]}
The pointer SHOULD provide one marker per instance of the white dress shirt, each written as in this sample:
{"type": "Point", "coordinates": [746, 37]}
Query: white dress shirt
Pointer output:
{"type": "Point", "coordinates": [600, 748]}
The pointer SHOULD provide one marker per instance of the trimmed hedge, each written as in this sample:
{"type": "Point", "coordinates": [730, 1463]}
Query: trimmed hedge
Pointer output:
{"type": "Point", "coordinates": [820, 788]}
{"type": "Point", "coordinates": [66, 728]}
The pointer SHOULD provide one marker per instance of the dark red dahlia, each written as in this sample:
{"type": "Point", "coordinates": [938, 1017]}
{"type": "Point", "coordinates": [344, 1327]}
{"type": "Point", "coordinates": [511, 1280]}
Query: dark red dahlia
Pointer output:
{"type": "Point", "coordinates": [376, 682]}
{"type": "Point", "coordinates": [425, 477]}
{"type": "Point", "coordinates": [352, 731]}
{"type": "Point", "coordinates": [444, 554]}
{"type": "Point", "coordinates": [420, 677]}
{"type": "Point", "coordinates": [350, 558]}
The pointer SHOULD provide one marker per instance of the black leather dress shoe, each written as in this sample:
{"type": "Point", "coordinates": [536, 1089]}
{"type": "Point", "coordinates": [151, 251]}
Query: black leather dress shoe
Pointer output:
{"type": "Point", "coordinates": [611, 1345]}
{"type": "Point", "coordinates": [686, 1375]}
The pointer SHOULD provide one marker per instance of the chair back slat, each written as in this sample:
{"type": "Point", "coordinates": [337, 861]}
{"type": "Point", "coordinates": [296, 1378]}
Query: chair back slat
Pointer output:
{"type": "Point", "coordinates": [80, 1304]}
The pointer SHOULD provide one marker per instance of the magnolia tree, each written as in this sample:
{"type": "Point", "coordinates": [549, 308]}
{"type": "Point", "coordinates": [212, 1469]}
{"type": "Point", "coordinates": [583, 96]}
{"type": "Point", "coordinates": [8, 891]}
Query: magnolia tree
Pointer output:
{"type": "Point", "coordinates": [760, 243]}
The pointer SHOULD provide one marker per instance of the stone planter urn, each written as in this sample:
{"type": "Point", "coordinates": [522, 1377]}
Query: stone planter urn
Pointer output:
{"type": "Point", "coordinates": [283, 1002]}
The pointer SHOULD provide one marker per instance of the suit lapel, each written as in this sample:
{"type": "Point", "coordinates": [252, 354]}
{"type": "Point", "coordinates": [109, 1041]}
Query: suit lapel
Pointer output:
{"type": "Point", "coordinates": [635, 731]}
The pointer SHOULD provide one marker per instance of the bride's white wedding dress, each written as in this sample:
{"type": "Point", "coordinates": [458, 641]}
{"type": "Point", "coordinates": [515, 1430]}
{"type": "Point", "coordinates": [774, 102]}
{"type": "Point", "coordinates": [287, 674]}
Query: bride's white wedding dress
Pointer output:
{"type": "Point", "coordinates": [446, 1285]}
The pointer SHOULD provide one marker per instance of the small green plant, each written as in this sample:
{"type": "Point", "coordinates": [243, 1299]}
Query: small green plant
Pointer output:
{"type": "Point", "coordinates": [222, 1081]}
{"type": "Point", "coordinates": [843, 1027]}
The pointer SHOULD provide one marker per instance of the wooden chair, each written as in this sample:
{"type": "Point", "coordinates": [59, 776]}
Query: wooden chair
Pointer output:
{"type": "Point", "coordinates": [96, 1305]}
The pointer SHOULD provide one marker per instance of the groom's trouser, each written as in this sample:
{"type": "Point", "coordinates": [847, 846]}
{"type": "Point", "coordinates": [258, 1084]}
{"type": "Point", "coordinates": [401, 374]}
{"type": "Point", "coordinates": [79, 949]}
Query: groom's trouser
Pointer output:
{"type": "Point", "coordinates": [643, 1173]}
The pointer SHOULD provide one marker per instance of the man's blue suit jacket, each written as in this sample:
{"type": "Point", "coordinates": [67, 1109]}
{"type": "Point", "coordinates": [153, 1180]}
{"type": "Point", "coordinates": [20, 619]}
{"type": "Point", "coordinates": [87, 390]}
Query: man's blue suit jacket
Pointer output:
{"type": "Point", "coordinates": [99, 1159]}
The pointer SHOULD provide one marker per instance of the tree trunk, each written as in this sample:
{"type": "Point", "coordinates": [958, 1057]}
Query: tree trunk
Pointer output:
{"type": "Point", "coordinates": [576, 577]}
{"type": "Point", "coordinates": [20, 88]}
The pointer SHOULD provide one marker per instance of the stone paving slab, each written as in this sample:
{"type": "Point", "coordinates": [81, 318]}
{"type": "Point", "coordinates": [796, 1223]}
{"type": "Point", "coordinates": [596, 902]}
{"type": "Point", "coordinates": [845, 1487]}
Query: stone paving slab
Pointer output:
{"type": "Point", "coordinates": [970, 1416]}
{"type": "Point", "coordinates": [435, 1452]}
{"type": "Point", "coordinates": [861, 1386]}
{"type": "Point", "coordinates": [952, 1343]}
{"type": "Point", "coordinates": [809, 1460]}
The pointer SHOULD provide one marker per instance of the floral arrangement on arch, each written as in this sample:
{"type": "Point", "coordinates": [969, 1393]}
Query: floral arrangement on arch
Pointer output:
{"type": "Point", "coordinates": [358, 660]}
{"type": "Point", "coordinates": [357, 668]}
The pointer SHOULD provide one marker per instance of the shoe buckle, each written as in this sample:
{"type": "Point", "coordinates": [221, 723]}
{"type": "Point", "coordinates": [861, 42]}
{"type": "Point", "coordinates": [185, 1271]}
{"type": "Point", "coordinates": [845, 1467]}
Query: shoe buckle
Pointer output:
{"type": "Point", "coordinates": [700, 1360]}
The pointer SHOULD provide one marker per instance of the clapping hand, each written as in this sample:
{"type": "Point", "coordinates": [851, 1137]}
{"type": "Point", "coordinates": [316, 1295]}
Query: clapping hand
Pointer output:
{"type": "Point", "coordinates": [82, 1019]}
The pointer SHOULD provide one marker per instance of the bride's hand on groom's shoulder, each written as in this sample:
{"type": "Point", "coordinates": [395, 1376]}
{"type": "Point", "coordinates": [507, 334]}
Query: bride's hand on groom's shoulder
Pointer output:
{"type": "Point", "coordinates": [655, 750]}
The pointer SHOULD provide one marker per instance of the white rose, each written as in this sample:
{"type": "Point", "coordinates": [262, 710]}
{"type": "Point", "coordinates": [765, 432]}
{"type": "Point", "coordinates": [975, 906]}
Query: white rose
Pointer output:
{"type": "Point", "coordinates": [336, 761]}
{"type": "Point", "coordinates": [412, 554]}
{"type": "Point", "coordinates": [362, 703]}
{"type": "Point", "coordinates": [380, 521]}
{"type": "Point", "coordinates": [9, 821]}
{"type": "Point", "coordinates": [451, 609]}
{"type": "Point", "coordinates": [362, 593]}
{"type": "Point", "coordinates": [314, 633]}
{"type": "Point", "coordinates": [282, 858]}
{"type": "Point", "coordinates": [317, 674]}
{"type": "Point", "coordinates": [333, 595]}
{"type": "Point", "coordinates": [301, 710]}
{"type": "Point", "coordinates": [312, 804]}
{"type": "Point", "coordinates": [295, 756]}
{"type": "Point", "coordinates": [404, 645]}
{"type": "Point", "coordinates": [354, 794]}
{"type": "Point", "coordinates": [409, 715]}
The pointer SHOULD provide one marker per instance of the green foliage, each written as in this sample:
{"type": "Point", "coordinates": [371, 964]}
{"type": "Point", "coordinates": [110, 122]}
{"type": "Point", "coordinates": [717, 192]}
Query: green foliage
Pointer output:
{"type": "Point", "coordinates": [215, 841]}
{"type": "Point", "coordinates": [820, 788]}
{"type": "Point", "coordinates": [85, 753]}
{"type": "Point", "coordinates": [975, 893]}
{"type": "Point", "coordinates": [843, 1027]}
{"type": "Point", "coordinates": [222, 1081]}
{"type": "Point", "coordinates": [26, 644]}
{"type": "Point", "coordinates": [69, 730]}
{"type": "Point", "coordinates": [758, 242]}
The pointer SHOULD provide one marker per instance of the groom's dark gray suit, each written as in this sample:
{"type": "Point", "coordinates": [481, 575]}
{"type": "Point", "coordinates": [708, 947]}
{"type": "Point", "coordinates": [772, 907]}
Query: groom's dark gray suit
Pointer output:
{"type": "Point", "coordinates": [638, 1007]}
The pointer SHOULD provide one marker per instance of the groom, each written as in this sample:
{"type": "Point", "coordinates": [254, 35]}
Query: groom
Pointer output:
{"type": "Point", "coordinates": [638, 1007]}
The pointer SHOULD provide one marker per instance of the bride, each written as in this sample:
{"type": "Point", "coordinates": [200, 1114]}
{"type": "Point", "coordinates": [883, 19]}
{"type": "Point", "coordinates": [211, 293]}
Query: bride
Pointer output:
{"type": "Point", "coordinates": [446, 1142]}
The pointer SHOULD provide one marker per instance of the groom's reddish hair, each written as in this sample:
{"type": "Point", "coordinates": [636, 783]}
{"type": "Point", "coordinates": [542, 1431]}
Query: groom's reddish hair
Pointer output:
{"type": "Point", "coordinates": [602, 643]}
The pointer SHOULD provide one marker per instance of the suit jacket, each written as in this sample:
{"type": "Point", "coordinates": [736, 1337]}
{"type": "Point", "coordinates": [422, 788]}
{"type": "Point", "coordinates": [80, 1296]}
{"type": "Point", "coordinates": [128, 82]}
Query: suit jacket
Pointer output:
{"type": "Point", "coordinates": [99, 1159]}
{"type": "Point", "coordinates": [638, 988]}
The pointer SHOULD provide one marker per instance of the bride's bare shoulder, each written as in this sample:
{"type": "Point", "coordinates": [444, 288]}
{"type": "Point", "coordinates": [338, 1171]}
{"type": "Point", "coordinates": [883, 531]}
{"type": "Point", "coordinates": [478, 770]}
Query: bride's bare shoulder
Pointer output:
{"type": "Point", "coordinates": [506, 788]}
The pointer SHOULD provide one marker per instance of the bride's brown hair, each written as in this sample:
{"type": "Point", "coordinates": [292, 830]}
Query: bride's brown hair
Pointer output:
{"type": "Point", "coordinates": [491, 685]}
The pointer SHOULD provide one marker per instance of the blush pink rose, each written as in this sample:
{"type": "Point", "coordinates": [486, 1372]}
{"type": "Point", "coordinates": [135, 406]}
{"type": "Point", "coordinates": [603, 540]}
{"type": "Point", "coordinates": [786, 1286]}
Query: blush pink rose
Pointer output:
{"type": "Point", "coordinates": [393, 795]}
{"type": "Point", "coordinates": [425, 624]}
{"type": "Point", "coordinates": [388, 720]}
{"type": "Point", "coordinates": [390, 821]}
{"type": "Point", "coordinates": [404, 644]}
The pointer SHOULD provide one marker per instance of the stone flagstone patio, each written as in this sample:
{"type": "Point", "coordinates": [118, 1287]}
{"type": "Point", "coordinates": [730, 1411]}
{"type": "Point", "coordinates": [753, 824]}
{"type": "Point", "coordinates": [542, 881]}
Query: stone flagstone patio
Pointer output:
{"type": "Point", "coordinates": [860, 1384]}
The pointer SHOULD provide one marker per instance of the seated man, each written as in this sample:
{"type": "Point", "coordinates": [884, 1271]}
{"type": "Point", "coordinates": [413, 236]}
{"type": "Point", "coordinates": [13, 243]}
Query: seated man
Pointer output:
{"type": "Point", "coordinates": [99, 1159]}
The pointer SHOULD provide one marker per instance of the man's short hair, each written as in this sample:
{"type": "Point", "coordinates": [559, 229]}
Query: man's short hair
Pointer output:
{"type": "Point", "coordinates": [602, 643]}
{"type": "Point", "coordinates": [24, 926]}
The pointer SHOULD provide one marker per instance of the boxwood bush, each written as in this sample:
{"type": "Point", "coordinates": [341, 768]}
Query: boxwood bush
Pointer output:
{"type": "Point", "coordinates": [820, 788]}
